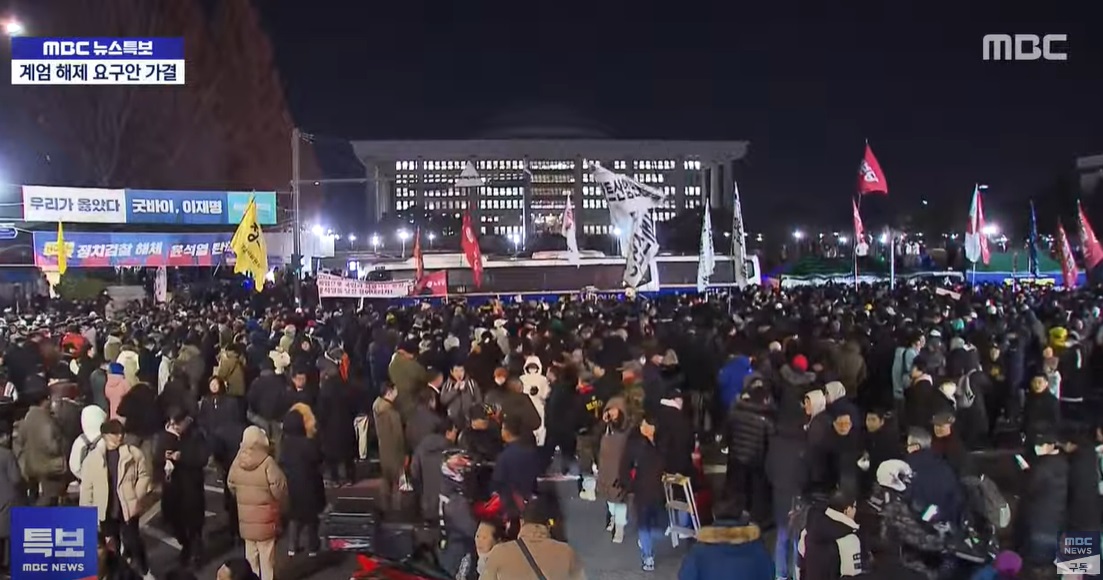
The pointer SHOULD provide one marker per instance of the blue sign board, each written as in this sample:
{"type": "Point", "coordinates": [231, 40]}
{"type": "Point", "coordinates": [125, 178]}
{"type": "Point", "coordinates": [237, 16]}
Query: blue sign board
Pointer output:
{"type": "Point", "coordinates": [69, 48]}
{"type": "Point", "coordinates": [54, 543]}
{"type": "Point", "coordinates": [151, 206]}
{"type": "Point", "coordinates": [8, 233]}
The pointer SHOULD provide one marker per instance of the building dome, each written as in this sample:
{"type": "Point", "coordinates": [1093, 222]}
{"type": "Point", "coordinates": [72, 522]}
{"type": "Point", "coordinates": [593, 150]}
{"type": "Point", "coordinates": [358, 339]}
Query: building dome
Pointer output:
{"type": "Point", "coordinates": [542, 121]}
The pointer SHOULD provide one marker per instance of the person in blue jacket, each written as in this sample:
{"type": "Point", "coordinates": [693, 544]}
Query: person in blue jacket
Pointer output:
{"type": "Point", "coordinates": [730, 548]}
{"type": "Point", "coordinates": [731, 379]}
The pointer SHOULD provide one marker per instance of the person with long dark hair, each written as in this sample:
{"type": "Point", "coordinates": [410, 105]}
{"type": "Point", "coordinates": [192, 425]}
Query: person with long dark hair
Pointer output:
{"type": "Point", "coordinates": [182, 456]}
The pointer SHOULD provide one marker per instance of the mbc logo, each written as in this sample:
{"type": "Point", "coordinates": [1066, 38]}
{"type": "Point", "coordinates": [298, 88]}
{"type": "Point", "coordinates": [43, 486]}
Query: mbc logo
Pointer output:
{"type": "Point", "coordinates": [1024, 47]}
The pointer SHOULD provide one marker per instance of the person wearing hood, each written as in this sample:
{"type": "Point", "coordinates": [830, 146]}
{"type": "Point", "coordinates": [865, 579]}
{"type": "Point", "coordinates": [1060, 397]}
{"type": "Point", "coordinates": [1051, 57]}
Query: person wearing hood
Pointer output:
{"type": "Point", "coordinates": [839, 402]}
{"type": "Point", "coordinates": [301, 462]}
{"type": "Point", "coordinates": [116, 387]}
{"type": "Point", "coordinates": [830, 547]}
{"type": "Point", "coordinates": [260, 487]}
{"type": "Point", "coordinates": [130, 359]}
{"type": "Point", "coordinates": [182, 457]}
{"type": "Point", "coordinates": [750, 425]}
{"type": "Point", "coordinates": [459, 393]}
{"type": "Point", "coordinates": [1073, 365]}
{"type": "Point", "coordinates": [91, 419]}
{"type": "Point", "coordinates": [425, 466]}
{"type": "Point", "coordinates": [336, 412]}
{"type": "Point", "coordinates": [731, 548]}
{"type": "Point", "coordinates": [231, 369]}
{"type": "Point", "coordinates": [614, 441]}
{"type": "Point", "coordinates": [535, 385]}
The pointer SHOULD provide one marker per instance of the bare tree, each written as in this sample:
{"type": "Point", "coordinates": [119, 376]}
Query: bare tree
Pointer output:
{"type": "Point", "coordinates": [129, 136]}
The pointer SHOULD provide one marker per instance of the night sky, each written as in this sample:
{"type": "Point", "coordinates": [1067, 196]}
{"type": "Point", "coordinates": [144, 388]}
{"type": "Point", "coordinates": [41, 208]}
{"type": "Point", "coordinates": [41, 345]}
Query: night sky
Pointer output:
{"type": "Point", "coordinates": [804, 82]}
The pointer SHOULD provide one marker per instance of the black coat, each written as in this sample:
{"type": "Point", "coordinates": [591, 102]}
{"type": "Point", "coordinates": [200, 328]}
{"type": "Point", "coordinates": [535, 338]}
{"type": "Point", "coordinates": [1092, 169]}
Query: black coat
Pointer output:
{"type": "Point", "coordinates": [183, 498]}
{"type": "Point", "coordinates": [221, 421]}
{"type": "Point", "coordinates": [750, 426]}
{"type": "Point", "coordinates": [643, 468]}
{"type": "Point", "coordinates": [301, 462]}
{"type": "Point", "coordinates": [674, 438]}
{"type": "Point", "coordinates": [267, 396]}
{"type": "Point", "coordinates": [422, 422]}
{"type": "Point", "coordinates": [336, 414]}
{"type": "Point", "coordinates": [1044, 502]}
{"type": "Point", "coordinates": [1083, 503]}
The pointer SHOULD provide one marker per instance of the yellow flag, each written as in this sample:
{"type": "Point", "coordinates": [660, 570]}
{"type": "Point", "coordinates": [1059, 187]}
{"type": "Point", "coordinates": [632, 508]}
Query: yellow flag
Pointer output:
{"type": "Point", "coordinates": [249, 247]}
{"type": "Point", "coordinates": [62, 254]}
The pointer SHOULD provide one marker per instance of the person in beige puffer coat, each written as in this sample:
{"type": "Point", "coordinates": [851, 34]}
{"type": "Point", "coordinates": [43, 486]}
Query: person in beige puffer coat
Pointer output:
{"type": "Point", "coordinates": [260, 489]}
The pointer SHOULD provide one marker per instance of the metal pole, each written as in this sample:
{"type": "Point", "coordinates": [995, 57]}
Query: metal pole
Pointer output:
{"type": "Point", "coordinates": [296, 254]}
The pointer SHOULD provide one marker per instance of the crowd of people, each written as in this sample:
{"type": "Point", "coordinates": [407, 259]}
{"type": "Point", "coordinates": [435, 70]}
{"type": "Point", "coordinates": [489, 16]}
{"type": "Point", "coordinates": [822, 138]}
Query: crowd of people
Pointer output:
{"type": "Point", "coordinates": [854, 422]}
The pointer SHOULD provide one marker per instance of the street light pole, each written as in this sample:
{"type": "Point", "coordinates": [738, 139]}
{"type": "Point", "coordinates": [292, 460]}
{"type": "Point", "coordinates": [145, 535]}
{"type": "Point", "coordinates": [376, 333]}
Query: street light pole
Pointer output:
{"type": "Point", "coordinates": [297, 251]}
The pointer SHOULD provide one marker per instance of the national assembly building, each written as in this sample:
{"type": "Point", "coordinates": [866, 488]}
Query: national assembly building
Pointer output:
{"type": "Point", "coordinates": [527, 173]}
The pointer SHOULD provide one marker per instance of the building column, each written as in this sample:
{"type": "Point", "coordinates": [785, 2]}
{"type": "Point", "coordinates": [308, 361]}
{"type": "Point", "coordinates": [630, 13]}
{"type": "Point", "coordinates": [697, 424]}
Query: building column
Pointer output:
{"type": "Point", "coordinates": [420, 186]}
{"type": "Point", "coordinates": [526, 201]}
{"type": "Point", "coordinates": [680, 183]}
{"type": "Point", "coordinates": [716, 189]}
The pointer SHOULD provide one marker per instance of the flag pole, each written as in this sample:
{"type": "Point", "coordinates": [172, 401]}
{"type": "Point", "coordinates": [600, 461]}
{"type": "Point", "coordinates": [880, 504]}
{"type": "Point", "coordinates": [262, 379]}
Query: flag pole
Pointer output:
{"type": "Point", "coordinates": [892, 260]}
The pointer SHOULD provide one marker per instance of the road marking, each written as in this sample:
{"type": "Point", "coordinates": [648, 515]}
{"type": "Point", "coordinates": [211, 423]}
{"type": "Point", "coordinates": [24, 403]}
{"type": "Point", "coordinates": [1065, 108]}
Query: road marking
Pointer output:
{"type": "Point", "coordinates": [163, 538]}
{"type": "Point", "coordinates": [213, 488]}
{"type": "Point", "coordinates": [715, 469]}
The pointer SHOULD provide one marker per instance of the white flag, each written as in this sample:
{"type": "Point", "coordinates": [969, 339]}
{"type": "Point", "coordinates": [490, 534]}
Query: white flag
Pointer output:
{"type": "Point", "coordinates": [739, 240]}
{"type": "Point", "coordinates": [571, 234]}
{"type": "Point", "coordinates": [630, 203]}
{"type": "Point", "coordinates": [161, 285]}
{"type": "Point", "coordinates": [706, 260]}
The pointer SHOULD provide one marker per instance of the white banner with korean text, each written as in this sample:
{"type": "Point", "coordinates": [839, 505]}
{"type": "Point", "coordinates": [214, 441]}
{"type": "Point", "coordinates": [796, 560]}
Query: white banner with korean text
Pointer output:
{"type": "Point", "coordinates": [74, 204]}
{"type": "Point", "coordinates": [330, 286]}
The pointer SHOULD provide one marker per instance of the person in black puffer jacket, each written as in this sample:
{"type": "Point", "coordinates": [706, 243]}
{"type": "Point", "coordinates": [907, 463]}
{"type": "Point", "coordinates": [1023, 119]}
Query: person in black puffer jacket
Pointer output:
{"type": "Point", "coordinates": [750, 426]}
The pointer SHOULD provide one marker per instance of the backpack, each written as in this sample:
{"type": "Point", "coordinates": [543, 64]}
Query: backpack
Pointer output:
{"type": "Point", "coordinates": [89, 445]}
{"type": "Point", "coordinates": [965, 395]}
{"type": "Point", "coordinates": [985, 499]}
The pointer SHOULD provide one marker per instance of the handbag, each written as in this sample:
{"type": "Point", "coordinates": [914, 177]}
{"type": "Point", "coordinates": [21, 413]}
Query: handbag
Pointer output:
{"type": "Point", "coordinates": [532, 561]}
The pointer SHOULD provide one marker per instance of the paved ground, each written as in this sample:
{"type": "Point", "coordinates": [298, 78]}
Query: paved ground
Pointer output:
{"type": "Point", "coordinates": [584, 521]}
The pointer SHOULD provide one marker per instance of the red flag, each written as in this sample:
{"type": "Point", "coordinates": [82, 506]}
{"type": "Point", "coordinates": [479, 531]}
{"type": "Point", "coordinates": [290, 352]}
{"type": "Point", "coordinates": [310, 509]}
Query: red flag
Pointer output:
{"type": "Point", "coordinates": [1068, 263]}
{"type": "Point", "coordinates": [436, 283]}
{"type": "Point", "coordinates": [470, 243]}
{"type": "Point", "coordinates": [419, 261]}
{"type": "Point", "coordinates": [1093, 252]}
{"type": "Point", "coordinates": [859, 231]}
{"type": "Point", "coordinates": [870, 177]}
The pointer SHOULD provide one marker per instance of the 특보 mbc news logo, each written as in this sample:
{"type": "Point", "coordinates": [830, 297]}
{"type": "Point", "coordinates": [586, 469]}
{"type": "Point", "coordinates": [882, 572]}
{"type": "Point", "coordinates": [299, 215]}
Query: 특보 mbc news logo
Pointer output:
{"type": "Point", "coordinates": [1049, 47]}
{"type": "Point", "coordinates": [97, 61]}
{"type": "Point", "coordinates": [54, 543]}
